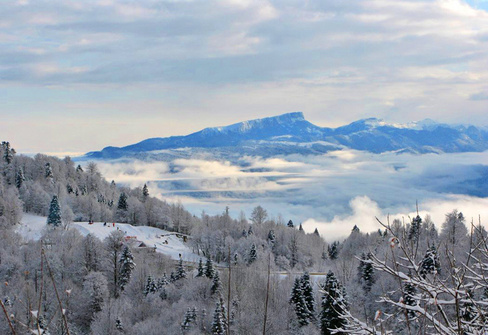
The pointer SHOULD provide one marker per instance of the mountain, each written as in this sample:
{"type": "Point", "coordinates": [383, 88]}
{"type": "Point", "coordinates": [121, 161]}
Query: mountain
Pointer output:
{"type": "Point", "coordinates": [292, 133]}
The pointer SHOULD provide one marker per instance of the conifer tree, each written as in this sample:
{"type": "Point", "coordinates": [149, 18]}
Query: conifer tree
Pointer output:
{"type": "Point", "coordinates": [430, 263]}
{"type": "Point", "coordinates": [367, 273]}
{"type": "Point", "coordinates": [333, 250]}
{"type": "Point", "coordinates": [7, 152]}
{"type": "Point", "coordinates": [414, 232]}
{"type": "Point", "coordinates": [163, 281]}
{"type": "Point", "coordinates": [118, 325]}
{"type": "Point", "coordinates": [252, 254]}
{"type": "Point", "coordinates": [145, 192]}
{"type": "Point", "coordinates": [209, 270]}
{"type": "Point", "coordinates": [250, 231]}
{"type": "Point", "coordinates": [150, 286]}
{"type": "Point", "coordinates": [180, 270]}
{"type": "Point", "coordinates": [218, 323]}
{"type": "Point", "coordinates": [79, 169]}
{"type": "Point", "coordinates": [48, 171]}
{"type": "Point", "coordinates": [333, 302]}
{"type": "Point", "coordinates": [19, 177]}
{"type": "Point", "coordinates": [316, 232]}
{"type": "Point", "coordinates": [300, 228]}
{"type": "Point", "coordinates": [290, 224]}
{"type": "Point", "coordinates": [200, 270]}
{"type": "Point", "coordinates": [297, 299]}
{"type": "Point", "coordinates": [189, 319]}
{"type": "Point", "coordinates": [216, 284]}
{"type": "Point", "coordinates": [122, 204]}
{"type": "Point", "coordinates": [127, 265]}
{"type": "Point", "coordinates": [163, 294]}
{"type": "Point", "coordinates": [54, 217]}
{"type": "Point", "coordinates": [307, 292]}
{"type": "Point", "coordinates": [409, 299]}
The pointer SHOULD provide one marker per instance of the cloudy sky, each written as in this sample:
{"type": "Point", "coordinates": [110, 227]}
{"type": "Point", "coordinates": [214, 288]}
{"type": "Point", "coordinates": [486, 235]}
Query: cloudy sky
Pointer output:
{"type": "Point", "coordinates": [77, 76]}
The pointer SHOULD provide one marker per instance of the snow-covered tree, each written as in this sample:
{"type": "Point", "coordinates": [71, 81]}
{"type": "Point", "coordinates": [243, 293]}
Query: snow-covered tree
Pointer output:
{"type": "Point", "coordinates": [200, 269]}
{"type": "Point", "coordinates": [297, 299]}
{"type": "Point", "coordinates": [216, 284]}
{"type": "Point", "coordinates": [252, 254]}
{"type": "Point", "coordinates": [127, 265]}
{"type": "Point", "coordinates": [209, 269]}
{"type": "Point", "coordinates": [333, 306]}
{"type": "Point", "coordinates": [54, 217]}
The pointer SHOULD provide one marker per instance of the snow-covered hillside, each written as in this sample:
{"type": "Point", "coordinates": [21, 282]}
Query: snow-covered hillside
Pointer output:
{"type": "Point", "coordinates": [166, 242]}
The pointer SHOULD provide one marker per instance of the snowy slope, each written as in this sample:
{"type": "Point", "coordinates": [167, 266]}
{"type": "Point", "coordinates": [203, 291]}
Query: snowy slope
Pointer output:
{"type": "Point", "coordinates": [32, 227]}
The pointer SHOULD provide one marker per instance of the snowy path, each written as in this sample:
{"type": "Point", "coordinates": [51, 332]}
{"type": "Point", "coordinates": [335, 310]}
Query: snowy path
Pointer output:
{"type": "Point", "coordinates": [166, 242]}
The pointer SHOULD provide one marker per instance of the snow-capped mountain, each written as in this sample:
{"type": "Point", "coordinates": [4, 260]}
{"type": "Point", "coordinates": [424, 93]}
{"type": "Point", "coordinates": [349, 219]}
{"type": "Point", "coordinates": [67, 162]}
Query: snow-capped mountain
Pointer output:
{"type": "Point", "coordinates": [292, 133]}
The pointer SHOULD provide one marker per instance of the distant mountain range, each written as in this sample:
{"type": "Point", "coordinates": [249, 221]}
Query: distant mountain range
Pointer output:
{"type": "Point", "coordinates": [291, 134]}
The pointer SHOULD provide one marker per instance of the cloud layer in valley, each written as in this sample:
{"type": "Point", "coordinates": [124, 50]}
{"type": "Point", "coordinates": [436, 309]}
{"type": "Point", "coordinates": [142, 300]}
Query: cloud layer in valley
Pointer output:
{"type": "Point", "coordinates": [332, 192]}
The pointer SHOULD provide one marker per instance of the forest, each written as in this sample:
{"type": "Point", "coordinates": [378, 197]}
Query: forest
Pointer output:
{"type": "Point", "coordinates": [256, 275]}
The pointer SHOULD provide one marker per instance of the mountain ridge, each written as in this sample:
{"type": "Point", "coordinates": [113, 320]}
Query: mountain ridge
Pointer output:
{"type": "Point", "coordinates": [288, 130]}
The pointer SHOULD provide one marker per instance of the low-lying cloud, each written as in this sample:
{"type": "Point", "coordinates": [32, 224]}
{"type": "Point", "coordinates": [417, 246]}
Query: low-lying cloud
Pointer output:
{"type": "Point", "coordinates": [331, 192]}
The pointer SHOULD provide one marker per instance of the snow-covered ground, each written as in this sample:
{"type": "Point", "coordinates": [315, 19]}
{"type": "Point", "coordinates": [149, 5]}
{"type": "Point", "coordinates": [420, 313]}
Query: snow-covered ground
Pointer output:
{"type": "Point", "coordinates": [32, 226]}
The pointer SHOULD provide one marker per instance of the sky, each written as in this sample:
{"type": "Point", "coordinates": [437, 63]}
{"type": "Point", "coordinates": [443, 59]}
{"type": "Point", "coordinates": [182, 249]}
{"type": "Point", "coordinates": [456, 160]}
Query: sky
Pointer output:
{"type": "Point", "coordinates": [76, 76]}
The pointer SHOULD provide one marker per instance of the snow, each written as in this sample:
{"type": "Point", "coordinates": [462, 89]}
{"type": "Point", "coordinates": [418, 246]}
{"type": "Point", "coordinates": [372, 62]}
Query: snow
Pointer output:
{"type": "Point", "coordinates": [32, 227]}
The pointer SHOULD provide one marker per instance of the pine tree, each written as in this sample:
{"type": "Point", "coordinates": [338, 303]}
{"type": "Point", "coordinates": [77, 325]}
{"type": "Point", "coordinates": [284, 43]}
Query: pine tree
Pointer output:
{"type": "Point", "coordinates": [180, 270]}
{"type": "Point", "coordinates": [290, 224]}
{"type": "Point", "coordinates": [216, 284]}
{"type": "Point", "coordinates": [163, 294]}
{"type": "Point", "coordinates": [300, 228]}
{"type": "Point", "coordinates": [414, 232]}
{"type": "Point", "coordinates": [150, 286]}
{"type": "Point", "coordinates": [189, 319]}
{"type": "Point", "coordinates": [297, 299]}
{"type": "Point", "coordinates": [218, 324]}
{"type": "Point", "coordinates": [355, 229]}
{"type": "Point", "coordinates": [250, 231]}
{"type": "Point", "coordinates": [54, 217]}
{"type": "Point", "coordinates": [200, 270]}
{"type": "Point", "coordinates": [48, 171]}
{"type": "Point", "coordinates": [252, 254]}
{"type": "Point", "coordinates": [127, 265]}
{"type": "Point", "coordinates": [209, 270]}
{"type": "Point", "coordinates": [122, 204]}
{"type": "Point", "coordinates": [430, 263]}
{"type": "Point", "coordinates": [333, 250]}
{"type": "Point", "coordinates": [163, 281]}
{"type": "Point", "coordinates": [145, 192]}
{"type": "Point", "coordinates": [19, 178]}
{"type": "Point", "coordinates": [316, 232]}
{"type": "Point", "coordinates": [79, 169]}
{"type": "Point", "coordinates": [333, 302]}
{"type": "Point", "coordinates": [307, 292]}
{"type": "Point", "coordinates": [8, 153]}
{"type": "Point", "coordinates": [409, 292]}
{"type": "Point", "coordinates": [367, 273]}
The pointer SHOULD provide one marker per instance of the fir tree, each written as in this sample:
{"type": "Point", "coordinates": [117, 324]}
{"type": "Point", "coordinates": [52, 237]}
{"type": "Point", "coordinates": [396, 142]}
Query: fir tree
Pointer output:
{"type": "Point", "coordinates": [414, 232]}
{"type": "Point", "coordinates": [180, 270]}
{"type": "Point", "coordinates": [300, 228]}
{"type": "Point", "coordinates": [409, 299]}
{"type": "Point", "coordinates": [54, 217]}
{"type": "Point", "coordinates": [48, 171]}
{"type": "Point", "coordinates": [430, 263]}
{"type": "Point", "coordinates": [19, 177]}
{"type": "Point", "coordinates": [307, 292]}
{"type": "Point", "coordinates": [163, 294]}
{"type": "Point", "coordinates": [145, 192]}
{"type": "Point", "coordinates": [290, 224]}
{"type": "Point", "coordinates": [209, 270]}
{"type": "Point", "coordinates": [79, 169]}
{"type": "Point", "coordinates": [297, 299]}
{"type": "Point", "coordinates": [122, 204]}
{"type": "Point", "coordinates": [163, 281]}
{"type": "Point", "coordinates": [218, 323]}
{"type": "Point", "coordinates": [252, 254]}
{"type": "Point", "coordinates": [8, 153]}
{"type": "Point", "coordinates": [150, 286]}
{"type": "Point", "coordinates": [216, 284]}
{"type": "Point", "coordinates": [333, 250]}
{"type": "Point", "coordinates": [367, 273]}
{"type": "Point", "coordinates": [200, 270]}
{"type": "Point", "coordinates": [189, 319]}
{"type": "Point", "coordinates": [333, 304]}
{"type": "Point", "coordinates": [316, 232]}
{"type": "Point", "coordinates": [355, 229]}
{"type": "Point", "coordinates": [250, 231]}
{"type": "Point", "coordinates": [127, 265]}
